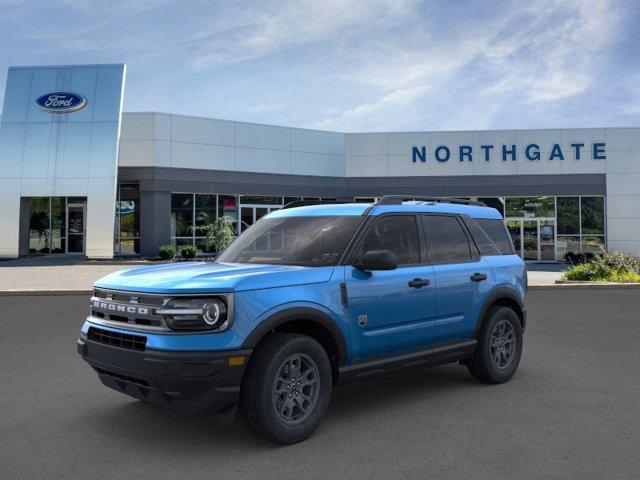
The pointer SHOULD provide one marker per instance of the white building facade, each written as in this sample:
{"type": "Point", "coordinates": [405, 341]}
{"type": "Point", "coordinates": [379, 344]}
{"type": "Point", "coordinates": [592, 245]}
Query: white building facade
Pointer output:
{"type": "Point", "coordinates": [560, 190]}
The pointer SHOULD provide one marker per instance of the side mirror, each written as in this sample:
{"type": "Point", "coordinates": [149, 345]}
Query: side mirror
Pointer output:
{"type": "Point", "coordinates": [377, 260]}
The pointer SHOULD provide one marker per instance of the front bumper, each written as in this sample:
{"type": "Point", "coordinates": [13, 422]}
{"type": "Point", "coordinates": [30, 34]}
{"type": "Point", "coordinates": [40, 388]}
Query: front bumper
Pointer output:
{"type": "Point", "coordinates": [194, 381]}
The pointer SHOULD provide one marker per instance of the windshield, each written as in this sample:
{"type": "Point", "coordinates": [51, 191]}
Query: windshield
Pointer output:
{"type": "Point", "coordinates": [305, 241]}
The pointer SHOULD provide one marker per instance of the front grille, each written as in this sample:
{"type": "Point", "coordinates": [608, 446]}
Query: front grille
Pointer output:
{"type": "Point", "coordinates": [132, 309]}
{"type": "Point", "coordinates": [117, 339]}
{"type": "Point", "coordinates": [127, 297]}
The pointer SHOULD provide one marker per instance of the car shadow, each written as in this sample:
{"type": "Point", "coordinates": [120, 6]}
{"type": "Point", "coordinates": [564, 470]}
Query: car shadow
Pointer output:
{"type": "Point", "coordinates": [133, 421]}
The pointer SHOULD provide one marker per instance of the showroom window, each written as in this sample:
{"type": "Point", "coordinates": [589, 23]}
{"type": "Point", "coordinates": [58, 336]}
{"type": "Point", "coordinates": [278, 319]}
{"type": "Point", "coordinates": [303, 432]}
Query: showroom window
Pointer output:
{"type": "Point", "coordinates": [493, 202]}
{"type": "Point", "coordinates": [568, 215]}
{"type": "Point", "coordinates": [57, 224]}
{"type": "Point", "coordinates": [530, 207]}
{"type": "Point", "coordinates": [228, 208]}
{"type": "Point", "coordinates": [127, 226]}
{"type": "Point", "coordinates": [580, 225]}
{"type": "Point", "coordinates": [47, 229]}
{"type": "Point", "coordinates": [188, 212]}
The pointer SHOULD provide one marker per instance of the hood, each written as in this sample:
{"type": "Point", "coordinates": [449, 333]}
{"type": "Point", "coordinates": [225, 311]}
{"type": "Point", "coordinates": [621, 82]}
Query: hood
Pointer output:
{"type": "Point", "coordinates": [209, 277]}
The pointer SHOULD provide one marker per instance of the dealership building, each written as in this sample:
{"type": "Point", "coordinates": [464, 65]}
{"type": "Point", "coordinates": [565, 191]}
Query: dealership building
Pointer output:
{"type": "Point", "coordinates": [80, 176]}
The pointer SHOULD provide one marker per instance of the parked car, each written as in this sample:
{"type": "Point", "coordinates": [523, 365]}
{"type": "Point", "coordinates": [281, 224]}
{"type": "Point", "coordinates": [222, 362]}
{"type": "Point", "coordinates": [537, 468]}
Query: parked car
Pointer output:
{"type": "Point", "coordinates": [309, 298]}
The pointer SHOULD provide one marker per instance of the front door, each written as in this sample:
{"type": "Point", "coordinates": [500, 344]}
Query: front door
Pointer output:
{"type": "Point", "coordinates": [389, 311]}
{"type": "Point", "coordinates": [75, 227]}
{"type": "Point", "coordinates": [547, 234]}
{"type": "Point", "coordinates": [534, 239]}
{"type": "Point", "coordinates": [530, 240]}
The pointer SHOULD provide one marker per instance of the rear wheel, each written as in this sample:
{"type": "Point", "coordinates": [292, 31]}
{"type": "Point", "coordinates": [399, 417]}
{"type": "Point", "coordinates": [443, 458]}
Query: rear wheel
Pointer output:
{"type": "Point", "coordinates": [499, 346]}
{"type": "Point", "coordinates": [287, 388]}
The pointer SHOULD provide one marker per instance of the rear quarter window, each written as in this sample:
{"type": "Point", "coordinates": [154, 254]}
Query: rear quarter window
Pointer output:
{"type": "Point", "coordinates": [493, 238]}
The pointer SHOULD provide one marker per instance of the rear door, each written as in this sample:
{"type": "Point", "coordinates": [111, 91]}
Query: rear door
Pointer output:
{"type": "Point", "coordinates": [463, 278]}
{"type": "Point", "coordinates": [391, 311]}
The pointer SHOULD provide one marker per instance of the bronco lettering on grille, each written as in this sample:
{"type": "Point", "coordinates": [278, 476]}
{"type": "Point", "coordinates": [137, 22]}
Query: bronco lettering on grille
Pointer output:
{"type": "Point", "coordinates": [116, 307]}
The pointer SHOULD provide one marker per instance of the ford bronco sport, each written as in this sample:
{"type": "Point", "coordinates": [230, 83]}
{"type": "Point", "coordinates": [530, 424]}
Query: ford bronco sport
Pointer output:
{"type": "Point", "coordinates": [310, 297]}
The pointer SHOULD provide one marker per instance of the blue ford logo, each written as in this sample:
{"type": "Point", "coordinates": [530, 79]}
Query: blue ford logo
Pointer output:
{"type": "Point", "coordinates": [61, 102]}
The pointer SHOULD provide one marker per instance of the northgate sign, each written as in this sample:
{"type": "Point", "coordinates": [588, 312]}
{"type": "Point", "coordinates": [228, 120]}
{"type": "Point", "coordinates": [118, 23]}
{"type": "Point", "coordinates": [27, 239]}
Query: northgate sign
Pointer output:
{"type": "Point", "coordinates": [532, 152]}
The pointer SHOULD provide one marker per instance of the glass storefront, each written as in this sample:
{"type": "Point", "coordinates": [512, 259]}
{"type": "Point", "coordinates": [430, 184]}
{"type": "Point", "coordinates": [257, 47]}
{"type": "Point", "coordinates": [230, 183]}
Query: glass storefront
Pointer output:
{"type": "Point", "coordinates": [542, 228]}
{"type": "Point", "coordinates": [57, 225]}
{"type": "Point", "coordinates": [547, 228]}
{"type": "Point", "coordinates": [189, 211]}
{"type": "Point", "coordinates": [530, 207]}
{"type": "Point", "coordinates": [127, 220]}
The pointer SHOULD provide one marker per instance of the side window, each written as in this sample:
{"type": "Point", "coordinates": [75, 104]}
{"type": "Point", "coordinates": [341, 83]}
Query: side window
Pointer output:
{"type": "Point", "coordinates": [485, 244]}
{"type": "Point", "coordinates": [397, 233]}
{"type": "Point", "coordinates": [496, 231]}
{"type": "Point", "coordinates": [447, 240]}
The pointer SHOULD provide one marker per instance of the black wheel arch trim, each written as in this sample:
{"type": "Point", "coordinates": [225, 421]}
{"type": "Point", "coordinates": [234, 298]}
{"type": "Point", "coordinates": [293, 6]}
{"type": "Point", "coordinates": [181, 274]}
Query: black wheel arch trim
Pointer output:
{"type": "Point", "coordinates": [299, 313]}
{"type": "Point", "coordinates": [502, 292]}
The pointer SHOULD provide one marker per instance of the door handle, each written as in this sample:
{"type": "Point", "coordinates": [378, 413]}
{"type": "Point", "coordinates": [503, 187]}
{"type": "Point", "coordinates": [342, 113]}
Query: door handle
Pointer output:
{"type": "Point", "coordinates": [478, 277]}
{"type": "Point", "coordinates": [418, 282]}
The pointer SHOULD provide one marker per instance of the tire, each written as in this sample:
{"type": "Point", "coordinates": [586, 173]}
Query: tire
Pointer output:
{"type": "Point", "coordinates": [495, 360]}
{"type": "Point", "coordinates": [276, 405]}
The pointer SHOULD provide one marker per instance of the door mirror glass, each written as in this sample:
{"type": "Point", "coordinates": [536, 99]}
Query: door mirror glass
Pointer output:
{"type": "Point", "coordinates": [378, 260]}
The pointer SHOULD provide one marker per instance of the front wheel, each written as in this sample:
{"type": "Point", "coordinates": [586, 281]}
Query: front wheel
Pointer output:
{"type": "Point", "coordinates": [287, 388]}
{"type": "Point", "coordinates": [499, 347]}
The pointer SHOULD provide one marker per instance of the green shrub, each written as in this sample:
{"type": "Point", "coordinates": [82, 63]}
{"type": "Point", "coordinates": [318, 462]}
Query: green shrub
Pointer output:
{"type": "Point", "coordinates": [582, 271]}
{"type": "Point", "coordinates": [167, 252]}
{"type": "Point", "coordinates": [188, 251]}
{"type": "Point", "coordinates": [617, 260]}
{"type": "Point", "coordinates": [614, 266]}
{"type": "Point", "coordinates": [624, 277]}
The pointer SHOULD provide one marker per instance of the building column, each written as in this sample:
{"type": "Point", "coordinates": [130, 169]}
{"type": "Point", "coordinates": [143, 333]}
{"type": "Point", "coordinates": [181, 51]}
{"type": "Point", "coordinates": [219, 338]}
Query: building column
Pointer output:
{"type": "Point", "coordinates": [623, 190]}
{"type": "Point", "coordinates": [155, 221]}
{"type": "Point", "coordinates": [9, 217]}
{"type": "Point", "coordinates": [25, 217]}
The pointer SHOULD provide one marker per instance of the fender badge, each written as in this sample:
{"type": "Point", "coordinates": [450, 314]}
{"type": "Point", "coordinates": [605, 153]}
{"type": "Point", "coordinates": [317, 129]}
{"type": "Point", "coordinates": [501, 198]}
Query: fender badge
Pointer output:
{"type": "Point", "coordinates": [362, 320]}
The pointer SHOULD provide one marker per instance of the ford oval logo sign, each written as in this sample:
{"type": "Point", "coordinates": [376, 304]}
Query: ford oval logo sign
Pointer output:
{"type": "Point", "coordinates": [61, 102]}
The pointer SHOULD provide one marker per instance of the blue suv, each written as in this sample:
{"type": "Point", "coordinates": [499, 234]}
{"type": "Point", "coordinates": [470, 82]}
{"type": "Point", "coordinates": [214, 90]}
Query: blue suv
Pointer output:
{"type": "Point", "coordinates": [311, 297]}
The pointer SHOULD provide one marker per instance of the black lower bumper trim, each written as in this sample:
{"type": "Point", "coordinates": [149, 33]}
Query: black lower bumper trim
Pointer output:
{"type": "Point", "coordinates": [194, 381]}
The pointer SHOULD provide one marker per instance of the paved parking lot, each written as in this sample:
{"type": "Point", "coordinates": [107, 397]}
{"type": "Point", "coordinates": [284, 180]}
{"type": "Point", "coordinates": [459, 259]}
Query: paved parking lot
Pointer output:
{"type": "Point", "coordinates": [572, 411]}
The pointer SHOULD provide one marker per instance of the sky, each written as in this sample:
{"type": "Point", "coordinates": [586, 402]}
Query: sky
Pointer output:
{"type": "Point", "coordinates": [350, 65]}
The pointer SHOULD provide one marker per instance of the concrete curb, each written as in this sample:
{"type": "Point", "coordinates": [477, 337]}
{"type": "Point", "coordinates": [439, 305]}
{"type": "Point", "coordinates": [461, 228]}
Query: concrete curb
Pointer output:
{"type": "Point", "coordinates": [141, 263]}
{"type": "Point", "coordinates": [584, 286]}
{"type": "Point", "coordinates": [41, 293]}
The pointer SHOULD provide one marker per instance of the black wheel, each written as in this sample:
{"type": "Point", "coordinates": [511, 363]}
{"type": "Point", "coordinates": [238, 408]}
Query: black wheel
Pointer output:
{"type": "Point", "coordinates": [287, 388]}
{"type": "Point", "coordinates": [499, 346]}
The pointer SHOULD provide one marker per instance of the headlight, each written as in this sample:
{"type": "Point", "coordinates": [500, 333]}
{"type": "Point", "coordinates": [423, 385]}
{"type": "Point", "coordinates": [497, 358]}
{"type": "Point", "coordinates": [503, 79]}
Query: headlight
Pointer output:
{"type": "Point", "coordinates": [195, 314]}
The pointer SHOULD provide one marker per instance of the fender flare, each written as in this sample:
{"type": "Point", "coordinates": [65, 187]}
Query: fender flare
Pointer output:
{"type": "Point", "coordinates": [299, 313]}
{"type": "Point", "coordinates": [500, 292]}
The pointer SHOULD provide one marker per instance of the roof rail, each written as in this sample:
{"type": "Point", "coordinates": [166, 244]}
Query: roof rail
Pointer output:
{"type": "Point", "coordinates": [400, 199]}
{"type": "Point", "coordinates": [306, 203]}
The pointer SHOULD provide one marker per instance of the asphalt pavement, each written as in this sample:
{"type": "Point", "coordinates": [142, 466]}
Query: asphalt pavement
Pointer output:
{"type": "Point", "coordinates": [571, 412]}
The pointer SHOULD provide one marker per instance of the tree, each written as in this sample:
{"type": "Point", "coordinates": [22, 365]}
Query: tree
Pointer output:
{"type": "Point", "coordinates": [218, 234]}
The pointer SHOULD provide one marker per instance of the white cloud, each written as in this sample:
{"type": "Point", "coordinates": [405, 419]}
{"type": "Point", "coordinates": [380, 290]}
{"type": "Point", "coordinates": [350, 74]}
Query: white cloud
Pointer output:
{"type": "Point", "coordinates": [285, 24]}
{"type": "Point", "coordinates": [534, 54]}
{"type": "Point", "coordinates": [401, 97]}
{"type": "Point", "coordinates": [345, 64]}
{"type": "Point", "coordinates": [551, 56]}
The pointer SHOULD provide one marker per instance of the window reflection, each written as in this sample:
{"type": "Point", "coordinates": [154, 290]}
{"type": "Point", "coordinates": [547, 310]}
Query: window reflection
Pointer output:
{"type": "Point", "coordinates": [568, 216]}
{"type": "Point", "coordinates": [592, 212]}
